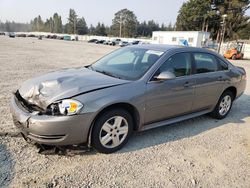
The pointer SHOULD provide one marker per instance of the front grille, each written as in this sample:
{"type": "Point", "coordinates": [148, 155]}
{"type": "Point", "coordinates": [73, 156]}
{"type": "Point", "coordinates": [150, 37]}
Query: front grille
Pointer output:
{"type": "Point", "coordinates": [29, 107]}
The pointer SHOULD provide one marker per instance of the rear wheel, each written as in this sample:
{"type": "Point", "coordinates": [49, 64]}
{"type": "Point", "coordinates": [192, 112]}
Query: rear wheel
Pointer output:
{"type": "Point", "coordinates": [112, 130]}
{"type": "Point", "coordinates": [242, 56]}
{"type": "Point", "coordinates": [223, 106]}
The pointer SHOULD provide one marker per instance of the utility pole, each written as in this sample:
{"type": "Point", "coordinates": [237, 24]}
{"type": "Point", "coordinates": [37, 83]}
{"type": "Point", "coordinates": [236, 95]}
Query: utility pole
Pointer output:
{"type": "Point", "coordinates": [120, 35]}
{"type": "Point", "coordinates": [74, 25]}
{"type": "Point", "coordinates": [207, 25]}
{"type": "Point", "coordinates": [50, 25]}
{"type": "Point", "coordinates": [222, 32]}
{"type": "Point", "coordinates": [203, 24]}
{"type": "Point", "coordinates": [37, 25]}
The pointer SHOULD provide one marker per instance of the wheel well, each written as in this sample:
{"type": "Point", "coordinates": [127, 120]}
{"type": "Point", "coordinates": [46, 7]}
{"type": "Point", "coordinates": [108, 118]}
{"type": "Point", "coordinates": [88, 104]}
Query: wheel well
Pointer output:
{"type": "Point", "coordinates": [233, 90]}
{"type": "Point", "coordinates": [130, 108]}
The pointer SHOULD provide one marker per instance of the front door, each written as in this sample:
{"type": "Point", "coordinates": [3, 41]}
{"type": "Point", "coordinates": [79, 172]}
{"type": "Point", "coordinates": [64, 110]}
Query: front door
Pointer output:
{"type": "Point", "coordinates": [171, 98]}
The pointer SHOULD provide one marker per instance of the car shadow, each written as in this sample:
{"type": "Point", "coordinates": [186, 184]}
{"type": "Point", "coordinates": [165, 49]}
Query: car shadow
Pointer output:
{"type": "Point", "coordinates": [189, 128]}
{"type": "Point", "coordinates": [6, 166]}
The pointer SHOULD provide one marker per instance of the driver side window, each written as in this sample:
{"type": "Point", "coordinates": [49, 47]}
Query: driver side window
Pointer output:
{"type": "Point", "coordinates": [180, 64]}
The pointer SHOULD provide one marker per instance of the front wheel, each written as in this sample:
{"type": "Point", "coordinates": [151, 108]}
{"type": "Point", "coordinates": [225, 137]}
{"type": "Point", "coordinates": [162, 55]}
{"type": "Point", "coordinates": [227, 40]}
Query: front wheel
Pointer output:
{"type": "Point", "coordinates": [112, 130]}
{"type": "Point", "coordinates": [223, 106]}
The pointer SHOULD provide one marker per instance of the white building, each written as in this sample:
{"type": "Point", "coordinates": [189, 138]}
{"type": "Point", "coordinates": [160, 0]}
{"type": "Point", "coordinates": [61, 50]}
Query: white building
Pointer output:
{"type": "Point", "coordinates": [187, 38]}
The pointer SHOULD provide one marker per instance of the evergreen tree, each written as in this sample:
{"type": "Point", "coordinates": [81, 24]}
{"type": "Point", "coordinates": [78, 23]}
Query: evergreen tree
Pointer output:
{"type": "Point", "coordinates": [206, 15]}
{"type": "Point", "coordinates": [100, 30]}
{"type": "Point", "coordinates": [124, 23]}
{"type": "Point", "coordinates": [72, 22]}
{"type": "Point", "coordinates": [57, 23]}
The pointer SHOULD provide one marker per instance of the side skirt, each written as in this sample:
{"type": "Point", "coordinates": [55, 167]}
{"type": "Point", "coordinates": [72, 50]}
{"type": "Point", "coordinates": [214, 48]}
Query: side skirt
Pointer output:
{"type": "Point", "coordinates": [174, 120]}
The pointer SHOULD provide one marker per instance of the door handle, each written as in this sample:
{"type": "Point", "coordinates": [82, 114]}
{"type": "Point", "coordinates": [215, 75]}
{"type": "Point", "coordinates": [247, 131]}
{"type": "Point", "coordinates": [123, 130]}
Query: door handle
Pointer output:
{"type": "Point", "coordinates": [220, 78]}
{"type": "Point", "coordinates": [188, 84]}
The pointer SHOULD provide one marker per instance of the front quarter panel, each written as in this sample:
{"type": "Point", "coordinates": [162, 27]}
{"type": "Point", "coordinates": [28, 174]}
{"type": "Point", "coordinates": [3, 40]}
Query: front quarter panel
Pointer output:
{"type": "Point", "coordinates": [131, 93]}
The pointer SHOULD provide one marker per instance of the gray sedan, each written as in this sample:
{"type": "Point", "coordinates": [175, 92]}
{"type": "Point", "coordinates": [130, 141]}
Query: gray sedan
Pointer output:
{"type": "Point", "coordinates": [132, 89]}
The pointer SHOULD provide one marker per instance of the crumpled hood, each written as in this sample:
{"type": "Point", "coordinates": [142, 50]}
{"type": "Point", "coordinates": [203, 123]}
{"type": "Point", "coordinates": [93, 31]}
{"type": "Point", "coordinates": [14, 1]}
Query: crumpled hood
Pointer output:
{"type": "Point", "coordinates": [46, 89]}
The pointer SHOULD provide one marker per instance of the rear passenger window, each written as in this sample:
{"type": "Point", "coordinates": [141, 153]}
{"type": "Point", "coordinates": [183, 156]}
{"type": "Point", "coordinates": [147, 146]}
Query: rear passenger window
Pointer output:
{"type": "Point", "coordinates": [205, 63]}
{"type": "Point", "coordinates": [222, 65]}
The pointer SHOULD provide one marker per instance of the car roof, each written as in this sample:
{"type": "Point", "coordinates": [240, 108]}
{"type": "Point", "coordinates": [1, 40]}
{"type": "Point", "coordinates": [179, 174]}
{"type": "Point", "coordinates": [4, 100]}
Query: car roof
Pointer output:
{"type": "Point", "coordinates": [159, 47]}
{"type": "Point", "coordinates": [166, 47]}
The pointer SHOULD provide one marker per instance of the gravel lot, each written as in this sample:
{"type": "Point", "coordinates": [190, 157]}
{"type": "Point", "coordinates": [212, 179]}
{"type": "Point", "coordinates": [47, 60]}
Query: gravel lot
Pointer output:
{"type": "Point", "coordinates": [200, 152]}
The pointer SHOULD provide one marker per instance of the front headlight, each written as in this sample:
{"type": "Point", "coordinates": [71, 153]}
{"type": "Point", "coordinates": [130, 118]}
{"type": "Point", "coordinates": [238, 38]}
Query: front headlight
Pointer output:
{"type": "Point", "coordinates": [65, 107]}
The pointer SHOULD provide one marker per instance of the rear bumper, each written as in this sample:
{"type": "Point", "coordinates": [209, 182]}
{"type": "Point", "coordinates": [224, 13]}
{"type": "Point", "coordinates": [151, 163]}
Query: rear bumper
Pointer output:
{"type": "Point", "coordinates": [51, 130]}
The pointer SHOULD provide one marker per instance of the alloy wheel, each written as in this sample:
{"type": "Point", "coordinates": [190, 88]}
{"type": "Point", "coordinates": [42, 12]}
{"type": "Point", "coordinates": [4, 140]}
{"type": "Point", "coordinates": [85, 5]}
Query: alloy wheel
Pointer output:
{"type": "Point", "coordinates": [113, 132]}
{"type": "Point", "coordinates": [225, 105]}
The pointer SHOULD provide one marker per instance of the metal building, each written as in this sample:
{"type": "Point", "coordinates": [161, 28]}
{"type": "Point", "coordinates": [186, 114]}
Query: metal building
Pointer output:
{"type": "Point", "coordinates": [186, 38]}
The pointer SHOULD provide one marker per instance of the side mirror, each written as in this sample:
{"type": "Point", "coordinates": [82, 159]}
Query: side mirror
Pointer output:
{"type": "Point", "coordinates": [165, 75]}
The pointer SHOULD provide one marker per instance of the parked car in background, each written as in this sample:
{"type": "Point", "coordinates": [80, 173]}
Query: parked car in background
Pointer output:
{"type": "Point", "coordinates": [123, 43]}
{"type": "Point", "coordinates": [31, 35]}
{"type": "Point", "coordinates": [92, 40]}
{"type": "Point", "coordinates": [143, 43]}
{"type": "Point", "coordinates": [2, 33]}
{"type": "Point", "coordinates": [74, 38]}
{"type": "Point", "coordinates": [67, 38]}
{"type": "Point", "coordinates": [12, 35]}
{"type": "Point", "coordinates": [135, 42]}
{"type": "Point", "coordinates": [131, 89]}
{"type": "Point", "coordinates": [106, 42]}
{"type": "Point", "coordinates": [59, 37]}
{"type": "Point", "coordinates": [114, 42]}
{"type": "Point", "coordinates": [53, 37]}
{"type": "Point", "coordinates": [21, 35]}
{"type": "Point", "coordinates": [99, 41]}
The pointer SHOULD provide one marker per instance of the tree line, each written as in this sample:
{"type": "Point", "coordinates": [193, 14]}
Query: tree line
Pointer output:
{"type": "Point", "coordinates": [124, 24]}
{"type": "Point", "coordinates": [194, 15]}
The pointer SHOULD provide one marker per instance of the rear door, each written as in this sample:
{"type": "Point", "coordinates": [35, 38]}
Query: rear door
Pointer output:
{"type": "Point", "coordinates": [210, 80]}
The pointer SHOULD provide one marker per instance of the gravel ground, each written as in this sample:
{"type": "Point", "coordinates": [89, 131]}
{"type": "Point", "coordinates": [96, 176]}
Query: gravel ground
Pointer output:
{"type": "Point", "coordinates": [201, 152]}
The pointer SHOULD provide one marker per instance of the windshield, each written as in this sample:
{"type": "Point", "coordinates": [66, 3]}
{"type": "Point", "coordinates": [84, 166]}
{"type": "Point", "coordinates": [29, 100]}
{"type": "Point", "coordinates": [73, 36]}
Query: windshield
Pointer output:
{"type": "Point", "coordinates": [127, 63]}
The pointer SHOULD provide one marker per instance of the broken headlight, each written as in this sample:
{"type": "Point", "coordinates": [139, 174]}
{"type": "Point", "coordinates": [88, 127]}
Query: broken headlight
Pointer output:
{"type": "Point", "coordinates": [65, 107]}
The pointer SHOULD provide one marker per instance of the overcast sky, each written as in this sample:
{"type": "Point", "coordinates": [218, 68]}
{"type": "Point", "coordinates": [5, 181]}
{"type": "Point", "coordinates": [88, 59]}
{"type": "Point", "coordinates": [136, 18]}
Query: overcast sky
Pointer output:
{"type": "Point", "coordinates": [162, 11]}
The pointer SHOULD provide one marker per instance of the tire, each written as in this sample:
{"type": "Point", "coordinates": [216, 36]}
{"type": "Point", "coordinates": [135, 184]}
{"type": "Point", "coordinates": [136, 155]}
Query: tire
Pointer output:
{"type": "Point", "coordinates": [108, 136]}
{"type": "Point", "coordinates": [234, 57]}
{"type": "Point", "coordinates": [223, 106]}
{"type": "Point", "coordinates": [242, 56]}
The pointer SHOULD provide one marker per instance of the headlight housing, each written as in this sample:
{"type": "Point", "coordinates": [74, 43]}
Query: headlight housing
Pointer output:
{"type": "Point", "coordinates": [65, 107]}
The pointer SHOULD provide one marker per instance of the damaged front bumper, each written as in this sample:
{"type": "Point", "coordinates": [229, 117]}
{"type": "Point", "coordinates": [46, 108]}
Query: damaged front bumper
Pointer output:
{"type": "Point", "coordinates": [51, 130]}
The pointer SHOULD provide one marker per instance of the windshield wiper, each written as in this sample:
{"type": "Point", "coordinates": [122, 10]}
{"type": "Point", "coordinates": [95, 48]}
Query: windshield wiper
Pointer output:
{"type": "Point", "coordinates": [103, 72]}
{"type": "Point", "coordinates": [90, 67]}
{"type": "Point", "coordinates": [107, 73]}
